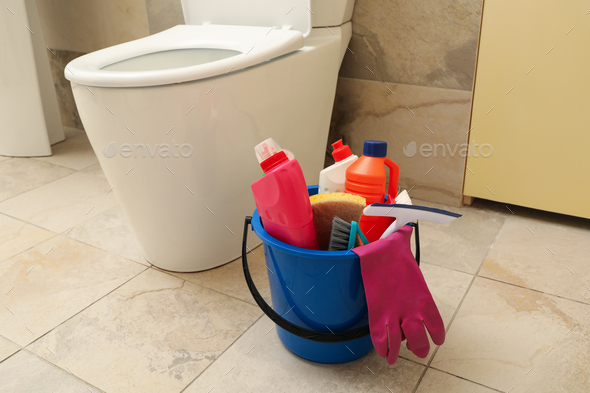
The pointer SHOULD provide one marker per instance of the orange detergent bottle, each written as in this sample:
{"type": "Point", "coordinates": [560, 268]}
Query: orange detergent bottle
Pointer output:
{"type": "Point", "coordinates": [366, 177]}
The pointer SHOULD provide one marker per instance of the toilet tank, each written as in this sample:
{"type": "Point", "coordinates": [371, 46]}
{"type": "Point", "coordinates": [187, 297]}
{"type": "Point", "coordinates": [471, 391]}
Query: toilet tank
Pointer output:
{"type": "Point", "coordinates": [298, 15]}
{"type": "Point", "coordinates": [331, 12]}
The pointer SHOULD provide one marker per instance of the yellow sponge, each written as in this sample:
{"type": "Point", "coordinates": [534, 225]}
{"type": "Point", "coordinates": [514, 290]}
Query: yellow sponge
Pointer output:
{"type": "Point", "coordinates": [326, 206]}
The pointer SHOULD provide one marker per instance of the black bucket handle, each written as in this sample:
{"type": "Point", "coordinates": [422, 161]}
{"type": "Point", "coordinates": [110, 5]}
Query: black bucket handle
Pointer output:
{"type": "Point", "coordinates": [295, 329]}
{"type": "Point", "coordinates": [291, 327]}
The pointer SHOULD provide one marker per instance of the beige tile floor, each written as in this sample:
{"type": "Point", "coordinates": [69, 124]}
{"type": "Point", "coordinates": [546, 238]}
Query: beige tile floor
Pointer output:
{"type": "Point", "coordinates": [81, 310]}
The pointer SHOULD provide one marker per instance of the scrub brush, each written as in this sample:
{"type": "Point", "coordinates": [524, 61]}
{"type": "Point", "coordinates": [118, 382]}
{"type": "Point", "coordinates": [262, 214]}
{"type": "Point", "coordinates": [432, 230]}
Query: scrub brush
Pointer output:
{"type": "Point", "coordinates": [343, 235]}
{"type": "Point", "coordinates": [326, 206]}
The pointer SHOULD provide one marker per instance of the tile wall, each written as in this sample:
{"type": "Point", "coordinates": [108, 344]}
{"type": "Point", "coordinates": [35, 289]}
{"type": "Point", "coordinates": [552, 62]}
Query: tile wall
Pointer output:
{"type": "Point", "coordinates": [408, 78]}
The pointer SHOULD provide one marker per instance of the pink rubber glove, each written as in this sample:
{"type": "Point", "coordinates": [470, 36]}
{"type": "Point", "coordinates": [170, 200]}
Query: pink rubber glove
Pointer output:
{"type": "Point", "coordinates": [399, 302]}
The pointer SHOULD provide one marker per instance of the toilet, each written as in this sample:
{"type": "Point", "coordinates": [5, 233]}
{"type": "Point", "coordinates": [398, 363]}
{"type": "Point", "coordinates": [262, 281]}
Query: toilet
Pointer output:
{"type": "Point", "coordinates": [174, 117]}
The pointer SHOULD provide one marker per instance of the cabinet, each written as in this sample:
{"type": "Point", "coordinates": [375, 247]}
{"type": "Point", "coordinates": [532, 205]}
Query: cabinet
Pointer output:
{"type": "Point", "coordinates": [531, 106]}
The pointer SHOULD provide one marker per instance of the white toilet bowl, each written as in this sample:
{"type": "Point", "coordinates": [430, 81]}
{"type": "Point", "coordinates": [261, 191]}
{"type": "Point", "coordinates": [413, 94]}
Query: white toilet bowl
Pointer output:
{"type": "Point", "coordinates": [174, 117]}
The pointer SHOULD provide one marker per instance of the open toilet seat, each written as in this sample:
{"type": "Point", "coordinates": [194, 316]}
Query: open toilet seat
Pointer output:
{"type": "Point", "coordinates": [225, 48]}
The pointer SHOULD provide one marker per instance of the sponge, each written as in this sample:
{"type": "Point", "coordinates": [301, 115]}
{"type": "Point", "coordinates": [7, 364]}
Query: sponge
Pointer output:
{"type": "Point", "coordinates": [328, 205]}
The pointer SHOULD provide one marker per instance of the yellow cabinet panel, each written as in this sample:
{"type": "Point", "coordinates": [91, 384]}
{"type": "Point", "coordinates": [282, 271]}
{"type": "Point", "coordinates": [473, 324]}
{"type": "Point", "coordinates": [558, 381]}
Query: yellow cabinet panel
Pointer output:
{"type": "Point", "coordinates": [531, 104]}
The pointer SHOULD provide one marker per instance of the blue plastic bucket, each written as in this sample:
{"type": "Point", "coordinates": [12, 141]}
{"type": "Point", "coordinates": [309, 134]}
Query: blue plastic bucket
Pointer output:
{"type": "Point", "coordinates": [320, 296]}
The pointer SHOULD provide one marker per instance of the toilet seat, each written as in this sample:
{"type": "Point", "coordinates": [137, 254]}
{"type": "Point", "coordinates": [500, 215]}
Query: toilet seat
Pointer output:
{"type": "Point", "coordinates": [255, 45]}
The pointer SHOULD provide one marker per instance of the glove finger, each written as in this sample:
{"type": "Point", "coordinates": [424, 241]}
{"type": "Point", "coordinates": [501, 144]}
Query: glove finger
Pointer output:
{"type": "Point", "coordinates": [435, 325]}
{"type": "Point", "coordinates": [379, 338]}
{"type": "Point", "coordinates": [395, 343]}
{"type": "Point", "coordinates": [417, 339]}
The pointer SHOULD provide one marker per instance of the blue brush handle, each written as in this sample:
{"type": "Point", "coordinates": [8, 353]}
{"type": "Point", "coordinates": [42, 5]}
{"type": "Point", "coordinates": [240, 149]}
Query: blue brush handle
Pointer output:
{"type": "Point", "coordinates": [354, 230]}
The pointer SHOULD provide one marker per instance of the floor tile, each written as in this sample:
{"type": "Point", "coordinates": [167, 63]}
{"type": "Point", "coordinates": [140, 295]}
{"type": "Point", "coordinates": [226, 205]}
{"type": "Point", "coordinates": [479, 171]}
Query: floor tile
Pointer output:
{"type": "Point", "coordinates": [435, 381]}
{"type": "Point", "coordinates": [547, 258]}
{"type": "Point", "coordinates": [549, 218]}
{"type": "Point", "coordinates": [447, 288]}
{"type": "Point", "coordinates": [258, 362]}
{"type": "Point", "coordinates": [7, 348]}
{"type": "Point", "coordinates": [111, 232]}
{"type": "Point", "coordinates": [62, 204]}
{"type": "Point", "coordinates": [17, 236]}
{"type": "Point", "coordinates": [75, 153]}
{"type": "Point", "coordinates": [71, 132]}
{"type": "Point", "coordinates": [95, 170]}
{"type": "Point", "coordinates": [505, 336]}
{"type": "Point", "coordinates": [25, 372]}
{"type": "Point", "coordinates": [229, 278]}
{"type": "Point", "coordinates": [18, 175]}
{"type": "Point", "coordinates": [540, 216]}
{"type": "Point", "coordinates": [461, 244]}
{"type": "Point", "coordinates": [485, 205]}
{"type": "Point", "coordinates": [156, 333]}
{"type": "Point", "coordinates": [53, 281]}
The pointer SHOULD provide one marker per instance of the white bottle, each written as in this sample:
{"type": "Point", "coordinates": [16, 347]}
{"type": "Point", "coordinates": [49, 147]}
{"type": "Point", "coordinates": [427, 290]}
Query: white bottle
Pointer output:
{"type": "Point", "coordinates": [332, 178]}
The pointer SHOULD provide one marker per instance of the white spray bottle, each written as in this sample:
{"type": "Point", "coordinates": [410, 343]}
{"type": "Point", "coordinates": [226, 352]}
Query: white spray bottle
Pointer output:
{"type": "Point", "coordinates": [332, 178]}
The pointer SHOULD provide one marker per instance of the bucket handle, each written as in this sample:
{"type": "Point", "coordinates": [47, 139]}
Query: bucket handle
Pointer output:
{"type": "Point", "coordinates": [290, 327]}
{"type": "Point", "coordinates": [282, 322]}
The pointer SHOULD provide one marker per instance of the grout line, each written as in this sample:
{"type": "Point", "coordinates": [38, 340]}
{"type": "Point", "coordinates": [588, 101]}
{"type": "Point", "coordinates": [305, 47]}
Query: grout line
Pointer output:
{"type": "Point", "coordinates": [75, 171]}
{"type": "Point", "coordinates": [224, 351]}
{"type": "Point", "coordinates": [61, 369]}
{"type": "Point", "coordinates": [71, 238]}
{"type": "Point", "coordinates": [459, 306]}
{"type": "Point", "coordinates": [33, 246]}
{"type": "Point", "coordinates": [535, 290]}
{"type": "Point", "coordinates": [34, 188]}
{"type": "Point", "coordinates": [441, 266]}
{"type": "Point", "coordinates": [107, 251]}
{"type": "Point", "coordinates": [204, 286]}
{"type": "Point", "coordinates": [11, 355]}
{"type": "Point", "coordinates": [553, 225]}
{"type": "Point", "coordinates": [468, 380]}
{"type": "Point", "coordinates": [82, 310]}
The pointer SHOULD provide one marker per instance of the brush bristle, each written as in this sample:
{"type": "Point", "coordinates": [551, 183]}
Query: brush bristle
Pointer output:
{"type": "Point", "coordinates": [340, 235]}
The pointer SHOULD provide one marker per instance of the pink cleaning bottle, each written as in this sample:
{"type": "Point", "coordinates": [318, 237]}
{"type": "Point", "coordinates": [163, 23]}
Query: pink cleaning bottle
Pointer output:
{"type": "Point", "coordinates": [282, 199]}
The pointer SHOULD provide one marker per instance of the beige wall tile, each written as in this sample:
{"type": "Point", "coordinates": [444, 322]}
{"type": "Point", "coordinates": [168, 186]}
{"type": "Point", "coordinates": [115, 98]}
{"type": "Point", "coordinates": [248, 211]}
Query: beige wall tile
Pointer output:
{"type": "Point", "coordinates": [505, 336]}
{"type": "Point", "coordinates": [156, 333]}
{"type": "Point", "coordinates": [432, 43]}
{"type": "Point", "coordinates": [400, 115]}
{"type": "Point", "coordinates": [163, 14]}
{"type": "Point", "coordinates": [52, 282]}
{"type": "Point", "coordinates": [58, 59]}
{"type": "Point", "coordinates": [258, 362]}
{"type": "Point", "coordinates": [90, 25]}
